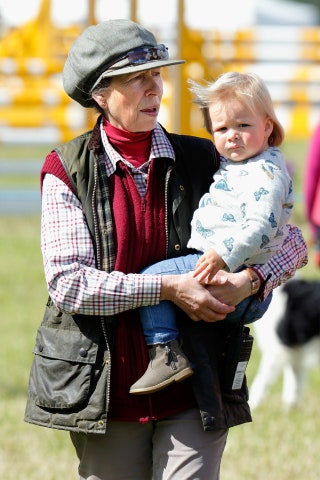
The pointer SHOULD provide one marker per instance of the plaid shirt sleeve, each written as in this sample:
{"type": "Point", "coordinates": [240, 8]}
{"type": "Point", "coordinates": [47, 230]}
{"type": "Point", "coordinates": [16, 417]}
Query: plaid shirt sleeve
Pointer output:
{"type": "Point", "coordinates": [282, 266]}
{"type": "Point", "coordinates": [74, 284]}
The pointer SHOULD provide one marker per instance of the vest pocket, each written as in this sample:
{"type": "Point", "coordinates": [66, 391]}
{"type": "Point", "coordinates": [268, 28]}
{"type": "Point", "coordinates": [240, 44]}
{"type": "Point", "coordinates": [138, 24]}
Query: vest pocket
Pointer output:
{"type": "Point", "coordinates": [63, 366]}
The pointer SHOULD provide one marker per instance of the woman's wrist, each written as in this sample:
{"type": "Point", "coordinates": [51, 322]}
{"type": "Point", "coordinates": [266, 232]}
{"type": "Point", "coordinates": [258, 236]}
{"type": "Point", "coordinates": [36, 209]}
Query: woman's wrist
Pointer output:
{"type": "Point", "coordinates": [169, 287]}
{"type": "Point", "coordinates": [254, 279]}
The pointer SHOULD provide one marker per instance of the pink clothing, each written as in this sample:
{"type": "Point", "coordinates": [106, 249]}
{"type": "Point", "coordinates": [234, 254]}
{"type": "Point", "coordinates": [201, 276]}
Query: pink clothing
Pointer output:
{"type": "Point", "coordinates": [312, 178]}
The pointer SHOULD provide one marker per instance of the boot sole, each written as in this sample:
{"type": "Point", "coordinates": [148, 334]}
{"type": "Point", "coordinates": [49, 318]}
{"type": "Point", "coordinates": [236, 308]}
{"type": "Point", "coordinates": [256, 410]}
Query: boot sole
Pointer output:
{"type": "Point", "coordinates": [187, 372]}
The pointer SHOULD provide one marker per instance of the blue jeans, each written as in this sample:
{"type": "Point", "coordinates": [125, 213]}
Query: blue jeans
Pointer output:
{"type": "Point", "coordinates": [159, 321]}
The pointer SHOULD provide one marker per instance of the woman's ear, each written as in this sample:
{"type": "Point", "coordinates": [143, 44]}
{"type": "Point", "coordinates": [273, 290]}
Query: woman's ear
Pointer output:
{"type": "Point", "coordinates": [100, 100]}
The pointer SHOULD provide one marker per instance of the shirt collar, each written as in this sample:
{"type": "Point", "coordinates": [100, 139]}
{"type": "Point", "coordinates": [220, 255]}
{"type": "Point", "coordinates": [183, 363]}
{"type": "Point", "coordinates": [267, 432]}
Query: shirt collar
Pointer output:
{"type": "Point", "coordinates": [160, 147]}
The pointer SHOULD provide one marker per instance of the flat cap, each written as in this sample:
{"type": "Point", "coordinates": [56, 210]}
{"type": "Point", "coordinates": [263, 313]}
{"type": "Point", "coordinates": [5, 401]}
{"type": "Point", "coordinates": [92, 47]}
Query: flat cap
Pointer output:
{"type": "Point", "coordinates": [110, 48]}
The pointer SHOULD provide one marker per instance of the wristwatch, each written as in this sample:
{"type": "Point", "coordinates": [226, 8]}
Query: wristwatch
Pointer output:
{"type": "Point", "coordinates": [254, 279]}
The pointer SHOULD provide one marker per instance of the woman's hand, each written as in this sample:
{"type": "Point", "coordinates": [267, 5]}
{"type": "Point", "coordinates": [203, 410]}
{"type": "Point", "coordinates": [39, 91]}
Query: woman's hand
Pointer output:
{"type": "Point", "coordinates": [230, 288]}
{"type": "Point", "coordinates": [194, 299]}
{"type": "Point", "coordinates": [210, 303]}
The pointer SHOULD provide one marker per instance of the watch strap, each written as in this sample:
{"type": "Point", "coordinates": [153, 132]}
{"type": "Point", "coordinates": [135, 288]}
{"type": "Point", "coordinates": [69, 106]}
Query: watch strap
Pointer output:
{"type": "Point", "coordinates": [254, 279]}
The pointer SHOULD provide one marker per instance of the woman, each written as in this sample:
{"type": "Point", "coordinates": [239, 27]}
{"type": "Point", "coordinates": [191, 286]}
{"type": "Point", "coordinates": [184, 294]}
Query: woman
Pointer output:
{"type": "Point", "coordinates": [113, 201]}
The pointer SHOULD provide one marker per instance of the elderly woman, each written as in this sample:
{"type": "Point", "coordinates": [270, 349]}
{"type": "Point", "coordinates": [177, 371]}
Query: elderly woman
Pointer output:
{"type": "Point", "coordinates": [115, 200]}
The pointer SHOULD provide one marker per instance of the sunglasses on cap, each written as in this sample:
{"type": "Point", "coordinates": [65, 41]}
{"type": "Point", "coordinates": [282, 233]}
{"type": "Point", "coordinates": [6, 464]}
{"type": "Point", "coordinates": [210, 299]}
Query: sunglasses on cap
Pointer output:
{"type": "Point", "coordinates": [141, 55]}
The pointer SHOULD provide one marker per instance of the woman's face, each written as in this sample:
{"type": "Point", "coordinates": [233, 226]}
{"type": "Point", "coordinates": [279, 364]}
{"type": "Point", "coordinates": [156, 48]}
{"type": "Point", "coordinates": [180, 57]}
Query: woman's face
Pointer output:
{"type": "Point", "coordinates": [132, 101]}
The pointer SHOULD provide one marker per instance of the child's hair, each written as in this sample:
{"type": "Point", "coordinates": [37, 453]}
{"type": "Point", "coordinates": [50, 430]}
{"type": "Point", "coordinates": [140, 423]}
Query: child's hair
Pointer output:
{"type": "Point", "coordinates": [248, 88]}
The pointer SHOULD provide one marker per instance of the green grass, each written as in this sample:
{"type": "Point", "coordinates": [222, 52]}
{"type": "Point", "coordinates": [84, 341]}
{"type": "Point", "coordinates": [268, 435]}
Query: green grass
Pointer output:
{"type": "Point", "coordinates": [25, 152]}
{"type": "Point", "coordinates": [27, 452]}
{"type": "Point", "coordinates": [19, 181]}
{"type": "Point", "coordinates": [276, 446]}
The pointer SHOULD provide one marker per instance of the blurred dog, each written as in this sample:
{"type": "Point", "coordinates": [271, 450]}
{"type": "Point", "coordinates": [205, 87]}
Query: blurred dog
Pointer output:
{"type": "Point", "coordinates": [288, 336]}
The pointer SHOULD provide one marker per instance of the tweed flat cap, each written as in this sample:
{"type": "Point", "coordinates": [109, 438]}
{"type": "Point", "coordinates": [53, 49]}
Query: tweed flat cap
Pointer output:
{"type": "Point", "coordinates": [110, 48]}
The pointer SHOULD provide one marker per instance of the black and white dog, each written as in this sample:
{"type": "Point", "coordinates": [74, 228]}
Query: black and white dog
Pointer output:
{"type": "Point", "coordinates": [288, 336]}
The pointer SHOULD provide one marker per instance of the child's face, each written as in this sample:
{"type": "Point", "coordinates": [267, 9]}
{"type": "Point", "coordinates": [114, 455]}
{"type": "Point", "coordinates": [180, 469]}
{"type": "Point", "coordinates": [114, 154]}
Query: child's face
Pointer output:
{"type": "Point", "coordinates": [238, 132]}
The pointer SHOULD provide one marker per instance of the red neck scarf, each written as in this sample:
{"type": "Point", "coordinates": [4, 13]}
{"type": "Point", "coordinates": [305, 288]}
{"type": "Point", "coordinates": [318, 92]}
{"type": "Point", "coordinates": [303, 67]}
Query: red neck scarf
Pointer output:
{"type": "Point", "coordinates": [133, 146]}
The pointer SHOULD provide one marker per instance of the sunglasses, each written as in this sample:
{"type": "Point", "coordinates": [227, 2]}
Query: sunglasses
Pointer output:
{"type": "Point", "coordinates": [140, 56]}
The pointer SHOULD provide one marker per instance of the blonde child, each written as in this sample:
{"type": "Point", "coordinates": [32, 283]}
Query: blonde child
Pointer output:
{"type": "Point", "coordinates": [240, 222]}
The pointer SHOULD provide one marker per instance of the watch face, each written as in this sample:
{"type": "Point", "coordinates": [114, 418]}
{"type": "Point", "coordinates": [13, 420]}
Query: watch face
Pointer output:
{"type": "Point", "coordinates": [255, 286]}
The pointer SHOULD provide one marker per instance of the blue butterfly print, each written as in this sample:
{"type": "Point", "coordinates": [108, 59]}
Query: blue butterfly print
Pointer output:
{"type": "Point", "coordinates": [228, 243]}
{"type": "Point", "coordinates": [259, 193]}
{"type": "Point", "coordinates": [204, 232]}
{"type": "Point", "coordinates": [243, 210]}
{"type": "Point", "coordinates": [265, 240]}
{"type": "Point", "coordinates": [272, 220]}
{"type": "Point", "coordinates": [269, 172]}
{"type": "Point", "coordinates": [222, 185]}
{"type": "Point", "coordinates": [273, 166]}
{"type": "Point", "coordinates": [228, 217]}
{"type": "Point", "coordinates": [269, 168]}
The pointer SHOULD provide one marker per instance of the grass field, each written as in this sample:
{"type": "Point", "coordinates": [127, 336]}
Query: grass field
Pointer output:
{"type": "Point", "coordinates": [276, 446]}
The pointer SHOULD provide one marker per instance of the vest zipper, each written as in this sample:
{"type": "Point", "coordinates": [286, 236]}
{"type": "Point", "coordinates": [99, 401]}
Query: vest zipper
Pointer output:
{"type": "Point", "coordinates": [166, 188]}
{"type": "Point", "coordinates": [104, 325]}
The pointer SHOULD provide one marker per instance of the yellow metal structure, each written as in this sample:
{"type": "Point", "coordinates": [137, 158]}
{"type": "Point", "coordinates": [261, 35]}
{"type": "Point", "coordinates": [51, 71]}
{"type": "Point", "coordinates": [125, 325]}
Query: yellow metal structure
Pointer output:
{"type": "Point", "coordinates": [31, 61]}
{"type": "Point", "coordinates": [32, 58]}
{"type": "Point", "coordinates": [287, 58]}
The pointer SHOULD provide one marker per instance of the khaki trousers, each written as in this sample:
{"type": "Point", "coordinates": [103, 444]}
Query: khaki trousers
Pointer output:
{"type": "Point", "coordinates": [176, 448]}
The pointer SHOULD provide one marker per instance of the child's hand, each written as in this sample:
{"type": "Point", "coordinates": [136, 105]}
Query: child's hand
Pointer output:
{"type": "Point", "coordinates": [207, 266]}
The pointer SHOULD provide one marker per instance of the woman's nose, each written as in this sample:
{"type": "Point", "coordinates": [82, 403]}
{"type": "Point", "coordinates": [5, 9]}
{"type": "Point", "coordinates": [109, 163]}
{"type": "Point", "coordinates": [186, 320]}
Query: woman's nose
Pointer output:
{"type": "Point", "coordinates": [154, 88]}
{"type": "Point", "coordinates": [154, 85]}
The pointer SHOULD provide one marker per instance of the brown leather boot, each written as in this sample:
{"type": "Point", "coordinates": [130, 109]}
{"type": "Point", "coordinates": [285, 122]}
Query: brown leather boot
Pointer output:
{"type": "Point", "coordinates": [167, 364]}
